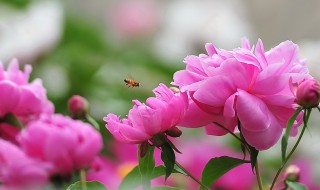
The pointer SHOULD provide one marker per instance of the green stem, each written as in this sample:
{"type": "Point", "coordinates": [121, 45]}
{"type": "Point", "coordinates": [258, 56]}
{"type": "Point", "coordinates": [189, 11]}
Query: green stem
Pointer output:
{"type": "Point", "coordinates": [92, 121]}
{"type": "Point", "coordinates": [83, 179]}
{"type": "Point", "coordinates": [306, 116]}
{"type": "Point", "coordinates": [258, 175]}
{"type": "Point", "coordinates": [234, 135]}
{"type": "Point", "coordinates": [192, 177]}
{"type": "Point", "coordinates": [248, 149]}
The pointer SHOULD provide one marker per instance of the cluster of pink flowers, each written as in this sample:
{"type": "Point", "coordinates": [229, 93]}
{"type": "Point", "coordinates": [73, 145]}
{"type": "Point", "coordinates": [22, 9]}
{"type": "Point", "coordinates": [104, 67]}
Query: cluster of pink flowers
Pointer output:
{"type": "Point", "coordinates": [48, 145]}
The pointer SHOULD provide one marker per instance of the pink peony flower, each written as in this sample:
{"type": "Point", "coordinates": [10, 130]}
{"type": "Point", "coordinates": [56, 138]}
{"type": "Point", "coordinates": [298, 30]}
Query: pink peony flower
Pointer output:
{"type": "Point", "coordinates": [20, 97]}
{"type": "Point", "coordinates": [68, 144]}
{"type": "Point", "coordinates": [17, 96]}
{"type": "Point", "coordinates": [308, 93]}
{"type": "Point", "coordinates": [252, 86]}
{"type": "Point", "coordinates": [18, 171]}
{"type": "Point", "coordinates": [144, 121]}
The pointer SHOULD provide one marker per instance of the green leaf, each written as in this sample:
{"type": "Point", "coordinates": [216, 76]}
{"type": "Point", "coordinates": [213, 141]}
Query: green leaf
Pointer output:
{"type": "Point", "coordinates": [133, 179]}
{"type": "Point", "coordinates": [174, 147]}
{"type": "Point", "coordinates": [284, 140]}
{"type": "Point", "coordinates": [92, 185]}
{"type": "Point", "coordinates": [296, 185]}
{"type": "Point", "coordinates": [168, 158]}
{"type": "Point", "coordinates": [165, 188]}
{"type": "Point", "coordinates": [253, 156]}
{"type": "Point", "coordinates": [216, 167]}
{"type": "Point", "coordinates": [146, 163]}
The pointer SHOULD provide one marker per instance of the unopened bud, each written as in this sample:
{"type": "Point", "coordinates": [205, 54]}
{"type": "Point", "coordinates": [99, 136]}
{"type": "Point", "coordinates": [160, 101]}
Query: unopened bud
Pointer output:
{"type": "Point", "coordinates": [174, 132]}
{"type": "Point", "coordinates": [159, 139]}
{"type": "Point", "coordinates": [78, 107]}
{"type": "Point", "coordinates": [308, 93]}
{"type": "Point", "coordinates": [292, 173]}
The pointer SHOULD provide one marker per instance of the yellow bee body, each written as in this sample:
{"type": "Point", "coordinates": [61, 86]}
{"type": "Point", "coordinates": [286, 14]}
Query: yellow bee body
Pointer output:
{"type": "Point", "coordinates": [132, 83]}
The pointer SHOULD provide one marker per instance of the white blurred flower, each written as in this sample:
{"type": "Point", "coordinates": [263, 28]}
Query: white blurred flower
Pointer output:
{"type": "Point", "coordinates": [189, 23]}
{"type": "Point", "coordinates": [31, 32]}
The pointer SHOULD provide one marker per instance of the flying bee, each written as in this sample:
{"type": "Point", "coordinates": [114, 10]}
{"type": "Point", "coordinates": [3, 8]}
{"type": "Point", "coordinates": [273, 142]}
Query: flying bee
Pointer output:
{"type": "Point", "coordinates": [132, 83]}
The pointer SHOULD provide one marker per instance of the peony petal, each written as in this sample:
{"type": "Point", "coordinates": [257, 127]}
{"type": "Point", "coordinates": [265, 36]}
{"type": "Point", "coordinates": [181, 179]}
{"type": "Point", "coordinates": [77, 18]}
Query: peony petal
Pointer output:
{"type": "Point", "coordinates": [216, 130]}
{"type": "Point", "coordinates": [253, 113]}
{"type": "Point", "coordinates": [271, 85]}
{"type": "Point", "coordinates": [9, 97]}
{"type": "Point", "coordinates": [261, 54]}
{"type": "Point", "coordinates": [195, 117]}
{"type": "Point", "coordinates": [215, 91]}
{"type": "Point", "coordinates": [263, 140]}
{"type": "Point", "coordinates": [211, 50]}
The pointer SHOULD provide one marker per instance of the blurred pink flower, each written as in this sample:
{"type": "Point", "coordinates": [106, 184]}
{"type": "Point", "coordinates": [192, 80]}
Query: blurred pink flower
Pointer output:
{"type": "Point", "coordinates": [194, 157]}
{"type": "Point", "coordinates": [144, 121]}
{"type": "Point", "coordinates": [111, 170]}
{"type": "Point", "coordinates": [246, 85]}
{"type": "Point", "coordinates": [20, 97]}
{"type": "Point", "coordinates": [308, 93]}
{"type": "Point", "coordinates": [134, 18]}
{"type": "Point", "coordinates": [18, 171]}
{"type": "Point", "coordinates": [9, 132]}
{"type": "Point", "coordinates": [17, 96]}
{"type": "Point", "coordinates": [68, 144]}
{"type": "Point", "coordinates": [307, 175]}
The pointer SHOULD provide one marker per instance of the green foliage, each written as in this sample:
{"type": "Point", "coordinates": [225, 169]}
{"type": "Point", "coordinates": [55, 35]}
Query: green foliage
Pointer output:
{"type": "Point", "coordinates": [133, 179]}
{"type": "Point", "coordinates": [284, 140]}
{"type": "Point", "coordinates": [146, 164]}
{"type": "Point", "coordinates": [216, 167]}
{"type": "Point", "coordinates": [165, 188]}
{"type": "Point", "coordinates": [20, 4]}
{"type": "Point", "coordinates": [93, 185]}
{"type": "Point", "coordinates": [168, 158]}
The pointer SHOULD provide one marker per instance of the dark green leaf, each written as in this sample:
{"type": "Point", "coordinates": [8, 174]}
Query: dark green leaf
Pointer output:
{"type": "Point", "coordinates": [284, 140]}
{"type": "Point", "coordinates": [217, 167]}
{"type": "Point", "coordinates": [179, 170]}
{"type": "Point", "coordinates": [253, 156]}
{"type": "Point", "coordinates": [165, 188]}
{"type": "Point", "coordinates": [133, 179]}
{"type": "Point", "coordinates": [174, 147]}
{"type": "Point", "coordinates": [168, 158]}
{"type": "Point", "coordinates": [92, 185]}
{"type": "Point", "coordinates": [296, 185]}
{"type": "Point", "coordinates": [146, 163]}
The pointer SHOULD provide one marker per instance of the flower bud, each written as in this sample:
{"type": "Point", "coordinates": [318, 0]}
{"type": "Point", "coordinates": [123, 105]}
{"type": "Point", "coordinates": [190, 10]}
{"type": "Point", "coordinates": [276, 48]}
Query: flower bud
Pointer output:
{"type": "Point", "coordinates": [308, 93]}
{"type": "Point", "coordinates": [159, 139]}
{"type": "Point", "coordinates": [292, 173]}
{"type": "Point", "coordinates": [174, 132]}
{"type": "Point", "coordinates": [78, 107]}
